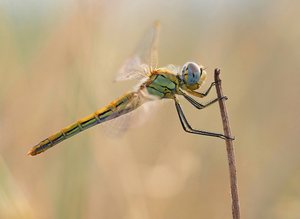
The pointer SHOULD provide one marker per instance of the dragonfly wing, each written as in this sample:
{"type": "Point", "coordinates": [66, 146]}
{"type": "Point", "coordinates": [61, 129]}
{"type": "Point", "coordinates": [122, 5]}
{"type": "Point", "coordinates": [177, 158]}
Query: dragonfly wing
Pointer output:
{"type": "Point", "coordinates": [143, 59]}
{"type": "Point", "coordinates": [117, 127]}
{"type": "Point", "coordinates": [153, 56]}
{"type": "Point", "coordinates": [173, 68]}
{"type": "Point", "coordinates": [132, 69]}
{"type": "Point", "coordinates": [138, 66]}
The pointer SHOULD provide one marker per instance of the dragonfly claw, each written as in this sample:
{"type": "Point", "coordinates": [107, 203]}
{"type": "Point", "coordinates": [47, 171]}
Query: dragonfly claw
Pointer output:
{"type": "Point", "coordinates": [224, 98]}
{"type": "Point", "coordinates": [227, 137]}
{"type": "Point", "coordinates": [230, 138]}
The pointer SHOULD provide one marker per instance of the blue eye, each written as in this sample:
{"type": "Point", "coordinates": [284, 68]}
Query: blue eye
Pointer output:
{"type": "Point", "coordinates": [191, 73]}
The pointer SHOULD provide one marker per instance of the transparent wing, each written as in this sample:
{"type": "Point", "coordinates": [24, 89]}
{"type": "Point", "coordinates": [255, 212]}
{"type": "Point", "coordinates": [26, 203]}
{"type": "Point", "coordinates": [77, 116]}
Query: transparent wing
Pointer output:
{"type": "Point", "coordinates": [133, 68]}
{"type": "Point", "coordinates": [117, 127]}
{"type": "Point", "coordinates": [143, 59]}
{"type": "Point", "coordinates": [173, 68]}
{"type": "Point", "coordinates": [137, 66]}
{"type": "Point", "coordinates": [153, 52]}
{"type": "Point", "coordinates": [148, 105]}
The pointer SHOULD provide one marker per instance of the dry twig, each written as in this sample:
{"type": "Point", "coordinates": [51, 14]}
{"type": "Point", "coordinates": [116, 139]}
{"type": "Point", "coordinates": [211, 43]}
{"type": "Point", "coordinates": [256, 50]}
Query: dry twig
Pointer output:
{"type": "Point", "coordinates": [229, 148]}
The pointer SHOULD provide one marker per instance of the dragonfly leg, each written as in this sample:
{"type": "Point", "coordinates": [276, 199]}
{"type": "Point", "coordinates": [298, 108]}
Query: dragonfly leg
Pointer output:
{"type": "Point", "coordinates": [187, 127]}
{"type": "Point", "coordinates": [199, 94]}
{"type": "Point", "coordinates": [199, 105]}
{"type": "Point", "coordinates": [208, 90]}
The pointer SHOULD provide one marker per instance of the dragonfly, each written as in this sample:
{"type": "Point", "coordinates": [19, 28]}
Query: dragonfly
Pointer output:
{"type": "Point", "coordinates": [155, 83]}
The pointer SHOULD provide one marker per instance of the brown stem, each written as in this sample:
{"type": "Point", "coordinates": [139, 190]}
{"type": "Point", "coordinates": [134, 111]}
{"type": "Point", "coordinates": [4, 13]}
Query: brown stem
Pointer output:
{"type": "Point", "coordinates": [229, 148]}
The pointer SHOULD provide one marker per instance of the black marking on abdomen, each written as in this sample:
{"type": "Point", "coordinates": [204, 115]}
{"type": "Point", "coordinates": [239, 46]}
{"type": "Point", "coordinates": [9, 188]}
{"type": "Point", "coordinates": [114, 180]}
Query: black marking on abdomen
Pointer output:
{"type": "Point", "coordinates": [89, 123]}
{"type": "Point", "coordinates": [58, 139]}
{"type": "Point", "coordinates": [44, 146]}
{"type": "Point", "coordinates": [70, 132]}
{"type": "Point", "coordinates": [103, 113]}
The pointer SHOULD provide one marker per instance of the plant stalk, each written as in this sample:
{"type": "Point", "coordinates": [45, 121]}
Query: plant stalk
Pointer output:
{"type": "Point", "coordinates": [229, 148]}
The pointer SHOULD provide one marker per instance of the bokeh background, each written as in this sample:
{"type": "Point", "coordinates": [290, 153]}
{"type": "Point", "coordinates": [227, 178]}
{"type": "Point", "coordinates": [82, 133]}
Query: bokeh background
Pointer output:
{"type": "Point", "coordinates": [58, 60]}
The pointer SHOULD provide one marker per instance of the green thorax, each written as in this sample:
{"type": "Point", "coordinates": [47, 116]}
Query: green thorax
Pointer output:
{"type": "Point", "coordinates": [162, 84]}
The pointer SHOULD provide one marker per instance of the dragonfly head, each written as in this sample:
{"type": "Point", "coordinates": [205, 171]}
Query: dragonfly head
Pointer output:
{"type": "Point", "coordinates": [192, 75]}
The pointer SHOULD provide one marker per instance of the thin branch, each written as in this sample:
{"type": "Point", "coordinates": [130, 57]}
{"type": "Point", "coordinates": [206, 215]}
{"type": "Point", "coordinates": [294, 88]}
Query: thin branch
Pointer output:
{"type": "Point", "coordinates": [229, 148]}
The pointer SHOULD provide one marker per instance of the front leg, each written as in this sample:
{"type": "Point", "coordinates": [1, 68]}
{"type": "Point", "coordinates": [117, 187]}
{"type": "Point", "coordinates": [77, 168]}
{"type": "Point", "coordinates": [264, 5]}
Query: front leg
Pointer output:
{"type": "Point", "coordinates": [199, 105]}
{"type": "Point", "coordinates": [199, 94]}
{"type": "Point", "coordinates": [208, 90]}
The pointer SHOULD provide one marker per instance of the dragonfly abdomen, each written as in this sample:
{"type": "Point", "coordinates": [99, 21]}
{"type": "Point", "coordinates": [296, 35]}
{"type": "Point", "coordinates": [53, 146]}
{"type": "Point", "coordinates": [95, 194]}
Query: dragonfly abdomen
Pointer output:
{"type": "Point", "coordinates": [120, 106]}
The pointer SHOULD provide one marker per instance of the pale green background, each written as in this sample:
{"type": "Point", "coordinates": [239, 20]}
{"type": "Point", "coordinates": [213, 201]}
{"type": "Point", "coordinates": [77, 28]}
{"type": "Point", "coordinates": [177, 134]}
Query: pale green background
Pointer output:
{"type": "Point", "coordinates": [58, 60]}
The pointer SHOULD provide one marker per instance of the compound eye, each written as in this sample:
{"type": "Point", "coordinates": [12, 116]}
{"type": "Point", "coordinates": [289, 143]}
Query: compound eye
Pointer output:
{"type": "Point", "coordinates": [191, 73]}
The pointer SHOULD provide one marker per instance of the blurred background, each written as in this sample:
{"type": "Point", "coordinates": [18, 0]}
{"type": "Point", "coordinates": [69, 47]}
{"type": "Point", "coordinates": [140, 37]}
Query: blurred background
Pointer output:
{"type": "Point", "coordinates": [58, 60]}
